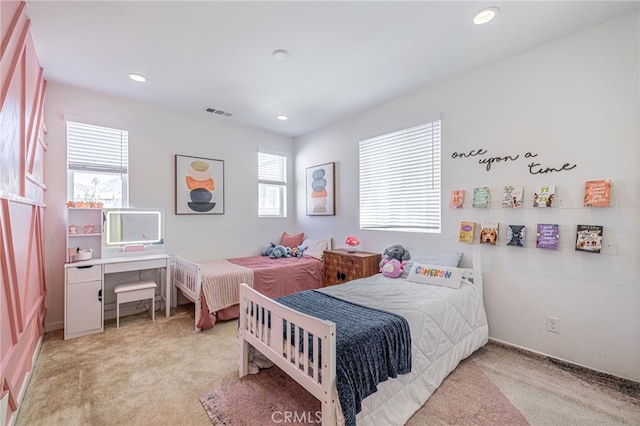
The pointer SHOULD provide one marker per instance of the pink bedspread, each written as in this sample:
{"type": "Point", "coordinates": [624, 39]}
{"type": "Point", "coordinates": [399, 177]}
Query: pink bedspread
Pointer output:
{"type": "Point", "coordinates": [279, 277]}
{"type": "Point", "coordinates": [273, 278]}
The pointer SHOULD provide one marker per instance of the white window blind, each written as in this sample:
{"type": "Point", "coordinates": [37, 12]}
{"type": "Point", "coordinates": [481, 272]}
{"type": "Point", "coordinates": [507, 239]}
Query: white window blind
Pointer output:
{"type": "Point", "coordinates": [272, 185]}
{"type": "Point", "coordinates": [97, 149]}
{"type": "Point", "coordinates": [400, 180]}
{"type": "Point", "coordinates": [97, 164]}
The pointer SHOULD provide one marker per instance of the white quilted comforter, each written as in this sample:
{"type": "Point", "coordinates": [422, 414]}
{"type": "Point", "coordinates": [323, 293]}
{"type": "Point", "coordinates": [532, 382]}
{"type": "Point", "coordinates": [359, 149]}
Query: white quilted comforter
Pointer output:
{"type": "Point", "coordinates": [447, 326]}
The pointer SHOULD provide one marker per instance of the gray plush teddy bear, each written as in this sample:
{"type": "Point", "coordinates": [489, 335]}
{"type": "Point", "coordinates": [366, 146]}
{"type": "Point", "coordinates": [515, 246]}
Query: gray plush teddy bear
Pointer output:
{"type": "Point", "coordinates": [395, 251]}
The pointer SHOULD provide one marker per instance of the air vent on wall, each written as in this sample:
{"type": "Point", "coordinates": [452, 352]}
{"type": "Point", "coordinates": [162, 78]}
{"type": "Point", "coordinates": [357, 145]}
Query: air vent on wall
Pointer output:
{"type": "Point", "coordinates": [219, 112]}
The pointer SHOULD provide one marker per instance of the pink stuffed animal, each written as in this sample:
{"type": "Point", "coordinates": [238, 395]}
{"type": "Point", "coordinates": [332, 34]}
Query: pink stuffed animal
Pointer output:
{"type": "Point", "coordinates": [392, 268]}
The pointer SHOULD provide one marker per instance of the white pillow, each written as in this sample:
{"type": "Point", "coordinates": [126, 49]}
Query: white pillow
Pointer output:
{"type": "Point", "coordinates": [431, 258]}
{"type": "Point", "coordinates": [314, 248]}
{"type": "Point", "coordinates": [444, 276]}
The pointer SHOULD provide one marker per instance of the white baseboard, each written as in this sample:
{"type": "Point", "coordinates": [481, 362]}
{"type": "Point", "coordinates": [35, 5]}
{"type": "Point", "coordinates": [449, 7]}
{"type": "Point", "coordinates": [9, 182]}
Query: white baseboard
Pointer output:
{"type": "Point", "coordinates": [542, 354]}
{"type": "Point", "coordinates": [131, 308]}
{"type": "Point", "coordinates": [23, 388]}
{"type": "Point", "coordinates": [180, 299]}
{"type": "Point", "coordinates": [58, 325]}
{"type": "Point", "coordinates": [4, 403]}
{"type": "Point", "coordinates": [110, 312]}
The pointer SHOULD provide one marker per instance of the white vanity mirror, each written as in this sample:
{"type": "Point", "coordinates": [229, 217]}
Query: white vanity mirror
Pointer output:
{"type": "Point", "coordinates": [130, 229]}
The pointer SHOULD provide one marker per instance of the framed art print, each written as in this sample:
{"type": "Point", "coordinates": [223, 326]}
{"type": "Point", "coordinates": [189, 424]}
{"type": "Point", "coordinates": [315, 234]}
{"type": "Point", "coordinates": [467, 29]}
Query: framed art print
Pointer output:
{"type": "Point", "coordinates": [199, 185]}
{"type": "Point", "coordinates": [320, 190]}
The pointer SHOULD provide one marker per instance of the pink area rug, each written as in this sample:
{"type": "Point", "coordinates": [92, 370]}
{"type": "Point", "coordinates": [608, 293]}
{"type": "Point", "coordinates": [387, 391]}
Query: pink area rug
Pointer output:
{"type": "Point", "coordinates": [269, 397]}
{"type": "Point", "coordinates": [466, 397]}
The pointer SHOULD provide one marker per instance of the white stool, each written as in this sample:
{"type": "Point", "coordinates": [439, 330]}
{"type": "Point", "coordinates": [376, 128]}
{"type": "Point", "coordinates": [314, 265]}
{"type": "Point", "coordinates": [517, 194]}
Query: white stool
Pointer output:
{"type": "Point", "coordinates": [131, 292]}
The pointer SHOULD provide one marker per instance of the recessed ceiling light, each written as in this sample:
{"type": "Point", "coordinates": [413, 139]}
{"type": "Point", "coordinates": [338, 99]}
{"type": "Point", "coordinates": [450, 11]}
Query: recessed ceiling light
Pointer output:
{"type": "Point", "coordinates": [485, 15]}
{"type": "Point", "coordinates": [280, 54]}
{"type": "Point", "coordinates": [282, 117]}
{"type": "Point", "coordinates": [137, 77]}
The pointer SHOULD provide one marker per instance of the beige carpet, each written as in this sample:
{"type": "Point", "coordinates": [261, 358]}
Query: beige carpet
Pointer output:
{"type": "Point", "coordinates": [154, 373]}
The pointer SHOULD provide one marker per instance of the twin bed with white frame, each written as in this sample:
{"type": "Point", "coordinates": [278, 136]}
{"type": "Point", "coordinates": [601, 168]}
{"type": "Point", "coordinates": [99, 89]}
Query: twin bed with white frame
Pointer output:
{"type": "Point", "coordinates": [447, 325]}
{"type": "Point", "coordinates": [218, 281]}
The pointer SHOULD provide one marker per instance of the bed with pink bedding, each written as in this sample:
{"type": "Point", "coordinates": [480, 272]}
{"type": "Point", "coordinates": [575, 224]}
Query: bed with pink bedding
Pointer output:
{"type": "Point", "coordinates": [214, 286]}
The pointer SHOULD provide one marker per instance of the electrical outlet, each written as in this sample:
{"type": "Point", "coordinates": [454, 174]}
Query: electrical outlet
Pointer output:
{"type": "Point", "coordinates": [553, 325]}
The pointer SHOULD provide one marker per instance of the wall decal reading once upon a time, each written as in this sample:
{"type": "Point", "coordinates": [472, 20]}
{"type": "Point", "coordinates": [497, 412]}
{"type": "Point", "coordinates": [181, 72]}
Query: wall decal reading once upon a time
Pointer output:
{"type": "Point", "coordinates": [534, 168]}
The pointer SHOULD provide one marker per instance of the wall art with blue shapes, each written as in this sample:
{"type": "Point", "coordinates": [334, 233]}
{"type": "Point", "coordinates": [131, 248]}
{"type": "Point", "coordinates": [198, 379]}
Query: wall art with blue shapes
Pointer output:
{"type": "Point", "coordinates": [320, 190]}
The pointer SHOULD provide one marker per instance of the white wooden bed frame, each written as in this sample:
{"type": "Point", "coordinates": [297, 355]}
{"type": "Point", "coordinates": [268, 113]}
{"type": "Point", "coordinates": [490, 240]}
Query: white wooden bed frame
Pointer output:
{"type": "Point", "coordinates": [286, 355]}
{"type": "Point", "coordinates": [319, 380]}
{"type": "Point", "coordinates": [187, 277]}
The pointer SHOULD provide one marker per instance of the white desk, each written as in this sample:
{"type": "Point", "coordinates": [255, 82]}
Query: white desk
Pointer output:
{"type": "Point", "coordinates": [84, 289]}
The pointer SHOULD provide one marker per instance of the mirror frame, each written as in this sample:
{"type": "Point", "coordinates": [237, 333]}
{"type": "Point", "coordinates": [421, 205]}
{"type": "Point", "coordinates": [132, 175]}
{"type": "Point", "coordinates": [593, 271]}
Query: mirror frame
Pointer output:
{"type": "Point", "coordinates": [125, 211]}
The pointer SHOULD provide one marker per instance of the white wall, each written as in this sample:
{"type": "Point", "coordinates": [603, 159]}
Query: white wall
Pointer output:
{"type": "Point", "coordinates": [155, 136]}
{"type": "Point", "coordinates": [571, 101]}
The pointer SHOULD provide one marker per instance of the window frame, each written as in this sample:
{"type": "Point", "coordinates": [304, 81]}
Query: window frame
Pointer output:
{"type": "Point", "coordinates": [273, 182]}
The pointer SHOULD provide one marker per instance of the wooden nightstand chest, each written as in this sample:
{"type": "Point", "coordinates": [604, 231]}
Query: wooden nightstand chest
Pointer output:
{"type": "Point", "coordinates": [341, 266]}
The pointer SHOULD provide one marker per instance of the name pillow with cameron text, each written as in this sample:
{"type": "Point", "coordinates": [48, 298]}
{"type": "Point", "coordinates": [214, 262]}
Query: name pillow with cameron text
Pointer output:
{"type": "Point", "coordinates": [444, 276]}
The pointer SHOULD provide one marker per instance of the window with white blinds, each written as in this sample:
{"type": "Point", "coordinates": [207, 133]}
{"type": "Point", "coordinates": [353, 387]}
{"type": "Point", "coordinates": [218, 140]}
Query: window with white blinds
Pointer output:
{"type": "Point", "coordinates": [400, 180]}
{"type": "Point", "coordinates": [272, 185]}
{"type": "Point", "coordinates": [97, 164]}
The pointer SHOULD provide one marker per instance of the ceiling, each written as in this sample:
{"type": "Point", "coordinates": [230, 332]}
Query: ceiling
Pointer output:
{"type": "Point", "coordinates": [344, 57]}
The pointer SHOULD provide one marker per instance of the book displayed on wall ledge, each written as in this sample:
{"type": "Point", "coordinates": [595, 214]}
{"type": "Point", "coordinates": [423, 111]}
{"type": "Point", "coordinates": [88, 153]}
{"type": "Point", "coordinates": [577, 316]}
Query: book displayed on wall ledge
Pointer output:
{"type": "Point", "coordinates": [512, 196]}
{"type": "Point", "coordinates": [547, 236]}
{"type": "Point", "coordinates": [489, 233]}
{"type": "Point", "coordinates": [457, 197]}
{"type": "Point", "coordinates": [466, 232]}
{"type": "Point", "coordinates": [589, 238]}
{"type": "Point", "coordinates": [597, 193]}
{"type": "Point", "coordinates": [516, 235]}
{"type": "Point", "coordinates": [481, 197]}
{"type": "Point", "coordinates": [543, 195]}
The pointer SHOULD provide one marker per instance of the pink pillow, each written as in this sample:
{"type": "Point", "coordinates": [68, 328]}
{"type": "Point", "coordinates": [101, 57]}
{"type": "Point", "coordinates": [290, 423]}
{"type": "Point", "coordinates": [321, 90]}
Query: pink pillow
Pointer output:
{"type": "Point", "coordinates": [292, 240]}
